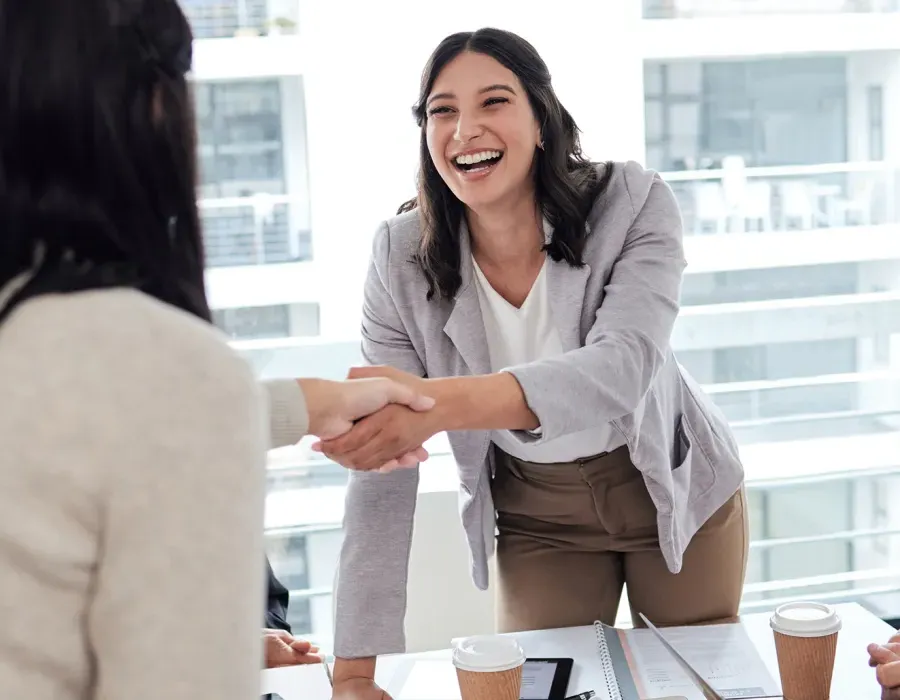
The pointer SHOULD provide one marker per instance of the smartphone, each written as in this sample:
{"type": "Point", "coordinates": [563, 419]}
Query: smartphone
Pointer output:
{"type": "Point", "coordinates": [546, 679]}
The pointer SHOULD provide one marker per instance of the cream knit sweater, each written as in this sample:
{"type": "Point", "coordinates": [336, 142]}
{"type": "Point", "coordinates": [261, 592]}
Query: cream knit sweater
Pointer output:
{"type": "Point", "coordinates": [132, 450]}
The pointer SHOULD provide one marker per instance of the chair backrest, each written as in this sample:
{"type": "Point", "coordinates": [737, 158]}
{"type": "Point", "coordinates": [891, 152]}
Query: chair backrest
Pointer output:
{"type": "Point", "coordinates": [442, 601]}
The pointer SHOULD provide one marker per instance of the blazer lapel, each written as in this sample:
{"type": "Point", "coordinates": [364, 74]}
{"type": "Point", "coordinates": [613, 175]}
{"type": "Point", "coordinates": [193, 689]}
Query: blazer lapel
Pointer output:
{"type": "Point", "coordinates": [566, 286]}
{"type": "Point", "coordinates": [465, 326]}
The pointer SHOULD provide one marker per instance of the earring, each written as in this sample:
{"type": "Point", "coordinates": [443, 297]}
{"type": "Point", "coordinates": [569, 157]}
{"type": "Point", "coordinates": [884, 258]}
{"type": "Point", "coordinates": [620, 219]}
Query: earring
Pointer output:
{"type": "Point", "coordinates": [541, 145]}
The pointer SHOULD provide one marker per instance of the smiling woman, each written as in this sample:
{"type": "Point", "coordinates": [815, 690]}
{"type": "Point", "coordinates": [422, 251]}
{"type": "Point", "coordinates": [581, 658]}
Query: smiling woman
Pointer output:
{"type": "Point", "coordinates": [537, 312]}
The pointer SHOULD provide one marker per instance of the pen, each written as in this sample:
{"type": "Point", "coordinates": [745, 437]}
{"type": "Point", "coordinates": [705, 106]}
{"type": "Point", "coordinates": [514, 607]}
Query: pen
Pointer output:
{"type": "Point", "coordinates": [328, 672]}
{"type": "Point", "coordinates": [587, 695]}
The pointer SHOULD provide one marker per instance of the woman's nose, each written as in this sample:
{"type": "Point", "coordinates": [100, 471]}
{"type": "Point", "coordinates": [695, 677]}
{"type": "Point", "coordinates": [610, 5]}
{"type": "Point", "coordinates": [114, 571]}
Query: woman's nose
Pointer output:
{"type": "Point", "coordinates": [467, 128]}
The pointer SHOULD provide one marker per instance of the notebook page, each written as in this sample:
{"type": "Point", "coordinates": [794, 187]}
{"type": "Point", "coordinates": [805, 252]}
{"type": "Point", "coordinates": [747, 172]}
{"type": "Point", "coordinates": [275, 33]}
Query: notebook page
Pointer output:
{"type": "Point", "coordinates": [723, 655]}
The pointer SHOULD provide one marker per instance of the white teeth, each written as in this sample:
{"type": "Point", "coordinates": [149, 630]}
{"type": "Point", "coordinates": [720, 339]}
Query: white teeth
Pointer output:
{"type": "Point", "coordinates": [472, 158]}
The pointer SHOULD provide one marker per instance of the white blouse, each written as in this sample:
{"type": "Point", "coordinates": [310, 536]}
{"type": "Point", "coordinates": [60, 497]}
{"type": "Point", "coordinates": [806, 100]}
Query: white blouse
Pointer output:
{"type": "Point", "coordinates": [517, 336]}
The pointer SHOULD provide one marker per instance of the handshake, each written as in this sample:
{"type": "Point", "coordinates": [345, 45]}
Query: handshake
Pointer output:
{"type": "Point", "coordinates": [376, 420]}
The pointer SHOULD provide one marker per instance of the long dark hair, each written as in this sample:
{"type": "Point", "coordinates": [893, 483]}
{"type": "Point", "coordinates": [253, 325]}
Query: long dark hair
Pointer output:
{"type": "Point", "coordinates": [566, 183]}
{"type": "Point", "coordinates": [97, 149]}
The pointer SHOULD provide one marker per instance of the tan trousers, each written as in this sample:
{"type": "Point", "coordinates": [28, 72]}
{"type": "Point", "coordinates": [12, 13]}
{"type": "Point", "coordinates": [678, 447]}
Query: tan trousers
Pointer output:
{"type": "Point", "coordinates": [571, 535]}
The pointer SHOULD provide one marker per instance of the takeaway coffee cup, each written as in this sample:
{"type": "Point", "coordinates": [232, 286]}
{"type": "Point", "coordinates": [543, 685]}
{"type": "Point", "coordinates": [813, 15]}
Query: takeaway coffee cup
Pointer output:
{"type": "Point", "coordinates": [805, 641]}
{"type": "Point", "coordinates": [489, 667]}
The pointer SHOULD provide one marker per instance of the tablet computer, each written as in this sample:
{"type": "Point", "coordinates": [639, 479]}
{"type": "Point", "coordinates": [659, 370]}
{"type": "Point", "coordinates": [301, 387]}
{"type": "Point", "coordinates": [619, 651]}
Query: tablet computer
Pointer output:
{"type": "Point", "coordinates": [546, 679]}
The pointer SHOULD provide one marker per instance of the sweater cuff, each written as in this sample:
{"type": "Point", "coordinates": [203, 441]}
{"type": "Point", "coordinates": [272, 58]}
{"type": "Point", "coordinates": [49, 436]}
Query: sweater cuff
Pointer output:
{"type": "Point", "coordinates": [288, 415]}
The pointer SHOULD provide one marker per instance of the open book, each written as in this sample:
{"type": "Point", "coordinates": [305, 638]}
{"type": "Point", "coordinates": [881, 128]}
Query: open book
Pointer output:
{"type": "Point", "coordinates": [638, 665]}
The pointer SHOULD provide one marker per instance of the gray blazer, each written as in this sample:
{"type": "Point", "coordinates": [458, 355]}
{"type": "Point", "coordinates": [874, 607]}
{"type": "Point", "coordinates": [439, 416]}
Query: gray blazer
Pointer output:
{"type": "Point", "coordinates": [615, 316]}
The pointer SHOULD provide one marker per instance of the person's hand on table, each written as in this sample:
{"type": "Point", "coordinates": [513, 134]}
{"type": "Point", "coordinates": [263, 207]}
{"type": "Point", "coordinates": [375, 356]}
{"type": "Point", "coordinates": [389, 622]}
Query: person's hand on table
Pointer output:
{"type": "Point", "coordinates": [358, 689]}
{"type": "Point", "coordinates": [885, 658]}
{"type": "Point", "coordinates": [283, 649]}
{"type": "Point", "coordinates": [389, 439]}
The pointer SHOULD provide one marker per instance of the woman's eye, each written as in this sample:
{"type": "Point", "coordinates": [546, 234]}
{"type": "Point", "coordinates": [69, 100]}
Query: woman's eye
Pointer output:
{"type": "Point", "coordinates": [494, 101]}
{"type": "Point", "coordinates": [438, 110]}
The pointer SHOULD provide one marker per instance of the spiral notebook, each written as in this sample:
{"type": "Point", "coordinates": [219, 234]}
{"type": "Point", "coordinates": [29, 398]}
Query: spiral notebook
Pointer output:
{"type": "Point", "coordinates": [637, 664]}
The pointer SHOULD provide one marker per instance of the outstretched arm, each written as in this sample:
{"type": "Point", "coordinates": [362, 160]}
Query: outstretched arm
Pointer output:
{"type": "Point", "coordinates": [326, 408]}
{"type": "Point", "coordinates": [595, 384]}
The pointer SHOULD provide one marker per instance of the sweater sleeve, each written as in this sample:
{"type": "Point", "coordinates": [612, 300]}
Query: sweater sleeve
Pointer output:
{"type": "Point", "coordinates": [288, 414]}
{"type": "Point", "coordinates": [178, 600]}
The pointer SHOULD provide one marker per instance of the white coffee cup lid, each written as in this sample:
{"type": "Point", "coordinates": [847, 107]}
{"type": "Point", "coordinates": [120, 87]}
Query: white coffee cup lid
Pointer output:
{"type": "Point", "coordinates": [802, 619]}
{"type": "Point", "coordinates": [488, 653]}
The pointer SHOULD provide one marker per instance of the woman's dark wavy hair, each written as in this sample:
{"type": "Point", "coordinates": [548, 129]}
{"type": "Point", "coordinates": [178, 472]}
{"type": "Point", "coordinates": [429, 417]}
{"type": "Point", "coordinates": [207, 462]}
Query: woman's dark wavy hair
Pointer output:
{"type": "Point", "coordinates": [566, 183]}
{"type": "Point", "coordinates": [97, 149]}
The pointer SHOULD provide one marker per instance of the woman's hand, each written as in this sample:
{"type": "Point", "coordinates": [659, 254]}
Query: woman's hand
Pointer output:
{"type": "Point", "coordinates": [335, 406]}
{"type": "Point", "coordinates": [358, 689]}
{"type": "Point", "coordinates": [397, 428]}
{"type": "Point", "coordinates": [886, 660]}
{"type": "Point", "coordinates": [877, 652]}
{"type": "Point", "coordinates": [383, 441]}
{"type": "Point", "coordinates": [283, 649]}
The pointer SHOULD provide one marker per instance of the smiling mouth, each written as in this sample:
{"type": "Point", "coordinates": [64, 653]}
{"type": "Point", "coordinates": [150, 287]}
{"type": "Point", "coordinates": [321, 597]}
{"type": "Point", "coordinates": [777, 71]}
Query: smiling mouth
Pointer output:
{"type": "Point", "coordinates": [476, 162]}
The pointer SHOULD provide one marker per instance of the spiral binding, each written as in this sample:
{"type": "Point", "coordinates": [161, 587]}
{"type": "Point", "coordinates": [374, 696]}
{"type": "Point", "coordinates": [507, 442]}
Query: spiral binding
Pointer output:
{"type": "Point", "coordinates": [609, 672]}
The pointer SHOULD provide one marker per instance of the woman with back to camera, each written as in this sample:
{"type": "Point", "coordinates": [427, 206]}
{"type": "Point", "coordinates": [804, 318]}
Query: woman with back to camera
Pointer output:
{"type": "Point", "coordinates": [537, 292]}
{"type": "Point", "coordinates": [132, 471]}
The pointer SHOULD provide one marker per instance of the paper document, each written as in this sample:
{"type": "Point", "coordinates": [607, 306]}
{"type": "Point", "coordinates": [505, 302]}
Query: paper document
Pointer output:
{"type": "Point", "coordinates": [723, 655]}
{"type": "Point", "coordinates": [708, 691]}
{"type": "Point", "coordinates": [307, 682]}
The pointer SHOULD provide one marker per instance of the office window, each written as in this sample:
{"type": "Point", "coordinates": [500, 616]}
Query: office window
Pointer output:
{"type": "Point", "coordinates": [784, 360]}
{"type": "Point", "coordinates": [687, 9]}
{"type": "Point", "coordinates": [254, 181]}
{"type": "Point", "coordinates": [789, 322]}
{"type": "Point", "coordinates": [240, 135]}
{"type": "Point", "coordinates": [269, 322]}
{"type": "Point", "coordinates": [255, 322]}
{"type": "Point", "coordinates": [288, 556]}
{"type": "Point", "coordinates": [783, 513]}
{"type": "Point", "coordinates": [212, 19]}
{"type": "Point", "coordinates": [773, 283]}
{"type": "Point", "coordinates": [789, 111]}
{"type": "Point", "coordinates": [875, 103]}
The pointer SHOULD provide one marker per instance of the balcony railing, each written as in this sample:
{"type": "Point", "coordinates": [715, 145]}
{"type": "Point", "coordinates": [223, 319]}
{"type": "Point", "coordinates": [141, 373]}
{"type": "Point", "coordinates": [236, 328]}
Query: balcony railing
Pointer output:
{"type": "Point", "coordinates": [862, 583]}
{"type": "Point", "coordinates": [213, 19]}
{"type": "Point", "coordinates": [258, 230]}
{"type": "Point", "coordinates": [806, 408]}
{"type": "Point", "coordinates": [784, 198]}
{"type": "Point", "coordinates": [685, 9]}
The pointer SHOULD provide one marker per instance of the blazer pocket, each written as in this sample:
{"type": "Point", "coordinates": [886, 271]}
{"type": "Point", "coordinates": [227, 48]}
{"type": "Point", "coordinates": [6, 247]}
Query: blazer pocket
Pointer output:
{"type": "Point", "coordinates": [684, 448]}
{"type": "Point", "coordinates": [692, 463]}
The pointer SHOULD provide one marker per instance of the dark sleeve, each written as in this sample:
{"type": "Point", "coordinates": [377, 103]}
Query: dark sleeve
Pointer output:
{"type": "Point", "coordinates": [276, 602]}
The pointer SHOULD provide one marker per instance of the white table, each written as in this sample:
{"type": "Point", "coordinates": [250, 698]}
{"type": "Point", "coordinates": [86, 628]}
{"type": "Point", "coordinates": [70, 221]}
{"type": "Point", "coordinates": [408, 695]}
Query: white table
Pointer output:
{"type": "Point", "coordinates": [853, 679]}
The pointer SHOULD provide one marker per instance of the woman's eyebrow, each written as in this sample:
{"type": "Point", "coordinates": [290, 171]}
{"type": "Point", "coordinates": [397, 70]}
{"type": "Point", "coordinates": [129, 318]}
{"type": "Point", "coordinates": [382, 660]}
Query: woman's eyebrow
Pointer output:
{"type": "Point", "coordinates": [489, 88]}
